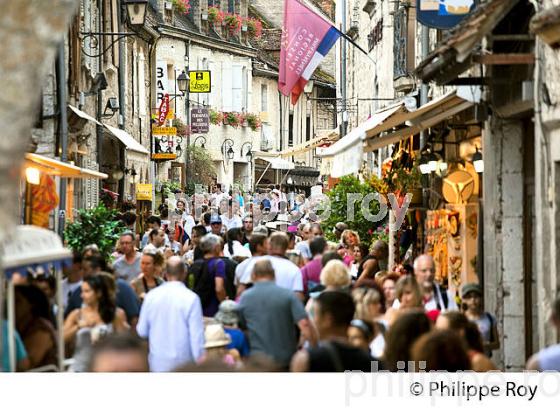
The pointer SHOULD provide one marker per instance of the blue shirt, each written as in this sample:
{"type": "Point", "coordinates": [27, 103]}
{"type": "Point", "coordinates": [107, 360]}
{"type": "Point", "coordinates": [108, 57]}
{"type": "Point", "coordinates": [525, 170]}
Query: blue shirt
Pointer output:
{"type": "Point", "coordinates": [238, 341]}
{"type": "Point", "coordinates": [21, 353]}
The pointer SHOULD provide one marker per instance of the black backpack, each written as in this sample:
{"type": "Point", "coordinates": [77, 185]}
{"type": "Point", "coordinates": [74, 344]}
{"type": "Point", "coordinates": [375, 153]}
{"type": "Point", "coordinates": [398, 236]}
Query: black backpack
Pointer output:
{"type": "Point", "coordinates": [229, 284]}
{"type": "Point", "coordinates": [204, 285]}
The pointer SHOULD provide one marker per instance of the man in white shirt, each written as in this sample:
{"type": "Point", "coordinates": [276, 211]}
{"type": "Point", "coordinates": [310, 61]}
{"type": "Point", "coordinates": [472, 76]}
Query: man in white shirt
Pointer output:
{"type": "Point", "coordinates": [287, 274]}
{"type": "Point", "coordinates": [230, 218]}
{"type": "Point", "coordinates": [171, 320]}
{"type": "Point", "coordinates": [258, 245]}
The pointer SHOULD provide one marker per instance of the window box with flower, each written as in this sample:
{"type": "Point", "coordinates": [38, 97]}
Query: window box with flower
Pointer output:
{"type": "Point", "coordinates": [182, 6]}
{"type": "Point", "coordinates": [216, 117]}
{"type": "Point", "coordinates": [232, 23]}
{"type": "Point", "coordinates": [254, 27]}
{"type": "Point", "coordinates": [232, 119]}
{"type": "Point", "coordinates": [215, 17]}
{"type": "Point", "coordinates": [253, 121]}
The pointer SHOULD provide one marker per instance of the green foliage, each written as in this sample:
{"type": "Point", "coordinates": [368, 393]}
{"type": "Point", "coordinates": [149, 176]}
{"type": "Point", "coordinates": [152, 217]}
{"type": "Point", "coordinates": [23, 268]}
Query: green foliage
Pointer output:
{"type": "Point", "coordinates": [201, 168]}
{"type": "Point", "coordinates": [338, 197]}
{"type": "Point", "coordinates": [170, 187]}
{"type": "Point", "coordinates": [97, 226]}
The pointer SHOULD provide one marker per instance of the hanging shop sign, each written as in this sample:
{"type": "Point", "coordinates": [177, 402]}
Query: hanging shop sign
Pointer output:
{"type": "Point", "coordinates": [443, 14]}
{"type": "Point", "coordinates": [162, 81]}
{"type": "Point", "coordinates": [200, 81]}
{"type": "Point", "coordinates": [164, 131]}
{"type": "Point", "coordinates": [200, 121]}
{"type": "Point", "coordinates": [166, 147]}
{"type": "Point", "coordinates": [163, 109]}
{"type": "Point", "coordinates": [143, 192]}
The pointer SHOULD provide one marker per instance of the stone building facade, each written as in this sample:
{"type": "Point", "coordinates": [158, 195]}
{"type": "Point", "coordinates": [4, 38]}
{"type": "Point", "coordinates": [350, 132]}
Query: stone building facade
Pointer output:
{"type": "Point", "coordinates": [547, 172]}
{"type": "Point", "coordinates": [95, 74]}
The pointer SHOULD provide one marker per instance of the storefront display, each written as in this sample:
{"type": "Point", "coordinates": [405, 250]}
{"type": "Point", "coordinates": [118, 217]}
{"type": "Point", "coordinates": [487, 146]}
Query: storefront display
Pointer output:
{"type": "Point", "coordinates": [451, 239]}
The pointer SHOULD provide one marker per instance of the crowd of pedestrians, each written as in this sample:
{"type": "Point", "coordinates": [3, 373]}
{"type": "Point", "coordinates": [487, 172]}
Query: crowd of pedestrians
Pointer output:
{"type": "Point", "coordinates": [219, 292]}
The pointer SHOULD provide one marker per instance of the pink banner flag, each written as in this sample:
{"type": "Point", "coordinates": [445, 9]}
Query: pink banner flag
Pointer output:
{"type": "Point", "coordinates": [306, 39]}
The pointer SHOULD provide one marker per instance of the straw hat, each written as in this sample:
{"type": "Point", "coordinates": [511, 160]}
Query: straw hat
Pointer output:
{"type": "Point", "coordinates": [215, 336]}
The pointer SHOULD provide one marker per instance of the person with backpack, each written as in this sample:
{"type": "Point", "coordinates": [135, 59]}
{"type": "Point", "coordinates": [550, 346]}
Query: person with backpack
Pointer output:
{"type": "Point", "coordinates": [210, 275]}
{"type": "Point", "coordinates": [471, 294]}
{"type": "Point", "coordinates": [437, 298]}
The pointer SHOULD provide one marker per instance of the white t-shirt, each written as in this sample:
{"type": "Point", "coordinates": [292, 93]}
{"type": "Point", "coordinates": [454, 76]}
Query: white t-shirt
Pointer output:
{"type": "Point", "coordinates": [238, 250]}
{"type": "Point", "coordinates": [377, 346]}
{"type": "Point", "coordinates": [188, 223]}
{"type": "Point", "coordinates": [233, 222]}
{"type": "Point", "coordinates": [287, 273]}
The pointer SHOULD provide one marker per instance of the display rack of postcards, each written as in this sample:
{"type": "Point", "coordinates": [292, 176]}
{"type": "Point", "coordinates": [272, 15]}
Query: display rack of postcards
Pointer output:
{"type": "Point", "coordinates": [436, 231]}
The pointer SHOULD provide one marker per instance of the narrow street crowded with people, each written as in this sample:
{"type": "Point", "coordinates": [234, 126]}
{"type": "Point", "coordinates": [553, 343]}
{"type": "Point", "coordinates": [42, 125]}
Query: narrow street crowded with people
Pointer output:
{"type": "Point", "coordinates": [255, 188]}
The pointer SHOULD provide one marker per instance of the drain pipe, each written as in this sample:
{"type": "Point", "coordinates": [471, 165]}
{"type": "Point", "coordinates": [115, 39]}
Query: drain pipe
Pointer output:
{"type": "Point", "coordinates": [425, 39]}
{"type": "Point", "coordinates": [122, 70]}
{"type": "Point", "coordinates": [63, 129]}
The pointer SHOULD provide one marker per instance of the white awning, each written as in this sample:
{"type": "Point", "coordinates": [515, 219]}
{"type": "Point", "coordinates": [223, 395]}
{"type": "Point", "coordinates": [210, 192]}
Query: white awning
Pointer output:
{"type": "Point", "coordinates": [128, 140]}
{"type": "Point", "coordinates": [427, 116]}
{"type": "Point", "coordinates": [31, 245]}
{"type": "Point", "coordinates": [348, 152]}
{"type": "Point", "coordinates": [83, 115]}
{"type": "Point", "coordinates": [278, 163]}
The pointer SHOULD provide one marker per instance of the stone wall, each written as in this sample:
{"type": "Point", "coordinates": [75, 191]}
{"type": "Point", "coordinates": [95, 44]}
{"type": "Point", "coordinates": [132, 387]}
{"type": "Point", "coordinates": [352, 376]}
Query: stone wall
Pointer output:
{"type": "Point", "coordinates": [547, 178]}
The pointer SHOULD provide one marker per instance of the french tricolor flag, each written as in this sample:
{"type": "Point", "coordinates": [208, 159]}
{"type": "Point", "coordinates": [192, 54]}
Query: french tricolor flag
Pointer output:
{"type": "Point", "coordinates": [306, 40]}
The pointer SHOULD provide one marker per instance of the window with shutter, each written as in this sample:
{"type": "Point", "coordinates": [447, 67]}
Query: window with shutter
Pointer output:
{"type": "Point", "coordinates": [237, 88]}
{"type": "Point", "coordinates": [246, 102]}
{"type": "Point", "coordinates": [264, 97]}
{"type": "Point", "coordinates": [227, 91]}
{"type": "Point", "coordinates": [211, 95]}
{"type": "Point", "coordinates": [204, 98]}
{"type": "Point", "coordinates": [141, 85]}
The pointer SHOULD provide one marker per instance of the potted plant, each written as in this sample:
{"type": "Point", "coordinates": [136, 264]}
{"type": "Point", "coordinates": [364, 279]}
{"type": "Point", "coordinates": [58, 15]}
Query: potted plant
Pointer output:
{"type": "Point", "coordinates": [231, 119]}
{"type": "Point", "coordinates": [216, 117]}
{"type": "Point", "coordinates": [253, 121]}
{"type": "Point", "coordinates": [98, 226]}
{"type": "Point", "coordinates": [215, 16]}
{"type": "Point", "coordinates": [182, 6]}
{"type": "Point", "coordinates": [254, 27]}
{"type": "Point", "coordinates": [233, 23]}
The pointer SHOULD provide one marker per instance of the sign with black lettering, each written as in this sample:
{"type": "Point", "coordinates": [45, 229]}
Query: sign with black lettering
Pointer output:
{"type": "Point", "coordinates": [200, 81]}
{"type": "Point", "coordinates": [162, 82]}
{"type": "Point", "coordinates": [200, 121]}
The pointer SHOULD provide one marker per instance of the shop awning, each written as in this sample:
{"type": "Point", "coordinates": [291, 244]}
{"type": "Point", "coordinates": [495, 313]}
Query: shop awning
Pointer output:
{"type": "Point", "coordinates": [31, 247]}
{"type": "Point", "coordinates": [345, 156]}
{"type": "Point", "coordinates": [277, 162]}
{"type": "Point", "coordinates": [452, 57]}
{"type": "Point", "coordinates": [425, 117]}
{"type": "Point", "coordinates": [322, 138]}
{"type": "Point", "coordinates": [83, 115]}
{"type": "Point", "coordinates": [128, 140]}
{"type": "Point", "coordinates": [58, 168]}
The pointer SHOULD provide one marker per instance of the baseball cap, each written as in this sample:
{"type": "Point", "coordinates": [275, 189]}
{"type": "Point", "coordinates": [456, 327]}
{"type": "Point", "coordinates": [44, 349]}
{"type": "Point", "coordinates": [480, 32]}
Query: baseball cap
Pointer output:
{"type": "Point", "coordinates": [215, 219]}
{"type": "Point", "coordinates": [471, 287]}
